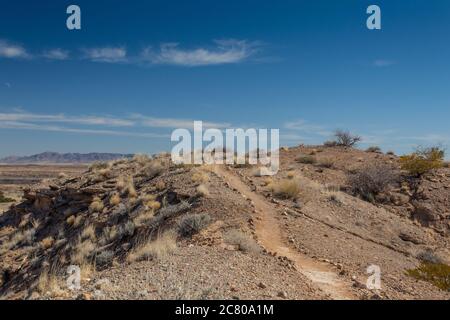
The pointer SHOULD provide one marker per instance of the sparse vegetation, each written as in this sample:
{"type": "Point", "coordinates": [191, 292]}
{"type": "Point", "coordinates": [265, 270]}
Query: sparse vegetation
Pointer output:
{"type": "Point", "coordinates": [286, 188]}
{"type": "Point", "coordinates": [330, 144]}
{"type": "Point", "coordinates": [240, 239]}
{"type": "Point", "coordinates": [374, 149]}
{"type": "Point", "coordinates": [192, 224]}
{"type": "Point", "coordinates": [326, 163]}
{"type": "Point", "coordinates": [159, 248]}
{"type": "Point", "coordinates": [200, 177]}
{"type": "Point", "coordinates": [47, 243]}
{"type": "Point", "coordinates": [96, 205]}
{"type": "Point", "coordinates": [346, 139]}
{"type": "Point", "coordinates": [4, 199]}
{"type": "Point", "coordinates": [308, 159]}
{"type": "Point", "coordinates": [423, 160]}
{"type": "Point", "coordinates": [88, 233]}
{"type": "Point", "coordinates": [115, 199]}
{"type": "Point", "coordinates": [202, 190]}
{"type": "Point", "coordinates": [371, 181]}
{"type": "Point", "coordinates": [435, 273]}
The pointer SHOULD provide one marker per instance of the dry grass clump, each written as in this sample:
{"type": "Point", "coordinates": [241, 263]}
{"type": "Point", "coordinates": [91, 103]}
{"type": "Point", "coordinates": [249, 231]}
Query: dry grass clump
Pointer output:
{"type": "Point", "coordinates": [159, 248]}
{"type": "Point", "coordinates": [96, 205]}
{"type": "Point", "coordinates": [192, 224]}
{"type": "Point", "coordinates": [160, 185]}
{"type": "Point", "coordinates": [47, 243]}
{"type": "Point", "coordinates": [125, 185]}
{"type": "Point", "coordinates": [70, 220]}
{"type": "Point", "coordinates": [115, 199]}
{"type": "Point", "coordinates": [83, 252]}
{"type": "Point", "coordinates": [326, 163]}
{"type": "Point", "coordinates": [202, 191]}
{"type": "Point", "coordinates": [243, 241]}
{"type": "Point", "coordinates": [142, 159]}
{"type": "Point", "coordinates": [152, 169]}
{"type": "Point", "coordinates": [4, 199]}
{"type": "Point", "coordinates": [308, 159]}
{"type": "Point", "coordinates": [25, 237]}
{"type": "Point", "coordinates": [48, 283]}
{"type": "Point", "coordinates": [78, 221]}
{"type": "Point", "coordinates": [144, 218]}
{"type": "Point", "coordinates": [286, 188]}
{"type": "Point", "coordinates": [153, 205]}
{"type": "Point", "coordinates": [98, 165]}
{"type": "Point", "coordinates": [290, 174]}
{"type": "Point", "coordinates": [200, 177]}
{"type": "Point", "coordinates": [88, 233]}
{"type": "Point", "coordinates": [62, 175]}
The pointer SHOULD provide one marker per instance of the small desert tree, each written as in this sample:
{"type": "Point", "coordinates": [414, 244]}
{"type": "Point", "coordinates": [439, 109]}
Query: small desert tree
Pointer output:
{"type": "Point", "coordinates": [346, 139]}
{"type": "Point", "coordinates": [423, 160]}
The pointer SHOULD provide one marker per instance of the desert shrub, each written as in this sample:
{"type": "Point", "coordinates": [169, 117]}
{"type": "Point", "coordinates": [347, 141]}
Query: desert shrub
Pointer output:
{"type": "Point", "coordinates": [192, 224]}
{"type": "Point", "coordinates": [306, 159]}
{"type": "Point", "coordinates": [346, 139]}
{"type": "Point", "coordinates": [47, 243]}
{"type": "Point", "coordinates": [125, 185]}
{"type": "Point", "coordinates": [152, 169]}
{"type": "Point", "coordinates": [144, 218]}
{"type": "Point", "coordinates": [160, 185]}
{"type": "Point", "coordinates": [202, 190]}
{"type": "Point", "coordinates": [326, 163]}
{"type": "Point", "coordinates": [330, 143]}
{"type": "Point", "coordinates": [83, 252]}
{"type": "Point", "coordinates": [104, 258]}
{"type": "Point", "coordinates": [4, 199]}
{"type": "Point", "coordinates": [286, 188]}
{"type": "Point", "coordinates": [200, 177]}
{"type": "Point", "coordinates": [423, 160]}
{"type": "Point", "coordinates": [88, 233]}
{"type": "Point", "coordinates": [429, 256]}
{"type": "Point", "coordinates": [140, 158]}
{"type": "Point", "coordinates": [115, 199]}
{"type": "Point", "coordinates": [240, 239]}
{"type": "Point", "coordinates": [390, 153]}
{"type": "Point", "coordinates": [159, 248]}
{"type": "Point", "coordinates": [48, 283]}
{"type": "Point", "coordinates": [446, 164]}
{"type": "Point", "coordinates": [370, 181]}
{"type": "Point", "coordinates": [96, 205]}
{"type": "Point", "coordinates": [435, 273]}
{"type": "Point", "coordinates": [70, 220]}
{"type": "Point", "coordinates": [98, 165]}
{"type": "Point", "coordinates": [374, 149]}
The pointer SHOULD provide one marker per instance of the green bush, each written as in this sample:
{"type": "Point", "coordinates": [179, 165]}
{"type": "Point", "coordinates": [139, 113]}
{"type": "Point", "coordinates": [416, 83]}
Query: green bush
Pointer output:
{"type": "Point", "coordinates": [4, 199]}
{"type": "Point", "coordinates": [423, 160]}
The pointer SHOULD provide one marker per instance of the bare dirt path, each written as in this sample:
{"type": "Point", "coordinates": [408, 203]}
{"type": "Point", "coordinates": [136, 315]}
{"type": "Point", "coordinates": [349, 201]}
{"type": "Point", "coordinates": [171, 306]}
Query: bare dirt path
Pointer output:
{"type": "Point", "coordinates": [270, 237]}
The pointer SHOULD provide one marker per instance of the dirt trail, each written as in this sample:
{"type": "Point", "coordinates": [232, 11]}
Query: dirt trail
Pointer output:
{"type": "Point", "coordinates": [270, 237]}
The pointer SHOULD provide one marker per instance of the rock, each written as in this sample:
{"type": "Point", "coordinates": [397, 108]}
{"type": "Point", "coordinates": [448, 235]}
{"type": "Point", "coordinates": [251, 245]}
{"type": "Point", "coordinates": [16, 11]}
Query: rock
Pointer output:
{"type": "Point", "coordinates": [282, 294]}
{"type": "Point", "coordinates": [410, 238]}
{"type": "Point", "coordinates": [84, 296]}
{"type": "Point", "coordinates": [262, 285]}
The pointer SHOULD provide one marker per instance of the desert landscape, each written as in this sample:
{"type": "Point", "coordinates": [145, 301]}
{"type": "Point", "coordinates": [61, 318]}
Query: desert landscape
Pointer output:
{"type": "Point", "coordinates": [138, 226]}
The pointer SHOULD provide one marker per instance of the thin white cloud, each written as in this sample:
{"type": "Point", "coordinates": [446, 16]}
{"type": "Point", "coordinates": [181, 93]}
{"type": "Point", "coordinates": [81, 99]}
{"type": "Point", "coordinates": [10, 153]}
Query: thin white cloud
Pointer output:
{"type": "Point", "coordinates": [83, 120]}
{"type": "Point", "coordinates": [8, 85]}
{"type": "Point", "coordinates": [383, 63]}
{"type": "Point", "coordinates": [106, 54]}
{"type": "Point", "coordinates": [224, 52]}
{"type": "Point", "coordinates": [56, 54]}
{"type": "Point", "coordinates": [175, 123]}
{"type": "Point", "coordinates": [10, 50]}
{"type": "Point", "coordinates": [306, 127]}
{"type": "Point", "coordinates": [40, 127]}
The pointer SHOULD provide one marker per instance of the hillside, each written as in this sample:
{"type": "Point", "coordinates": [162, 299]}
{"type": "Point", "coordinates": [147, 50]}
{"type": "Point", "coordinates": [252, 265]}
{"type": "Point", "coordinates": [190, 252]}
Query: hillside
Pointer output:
{"type": "Point", "coordinates": [55, 158]}
{"type": "Point", "coordinates": [144, 228]}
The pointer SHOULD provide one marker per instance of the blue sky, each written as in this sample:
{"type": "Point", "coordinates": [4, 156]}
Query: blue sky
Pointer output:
{"type": "Point", "coordinates": [139, 69]}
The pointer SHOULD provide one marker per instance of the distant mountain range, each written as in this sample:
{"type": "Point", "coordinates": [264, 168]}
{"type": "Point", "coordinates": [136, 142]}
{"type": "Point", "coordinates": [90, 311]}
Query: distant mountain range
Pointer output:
{"type": "Point", "coordinates": [55, 157]}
